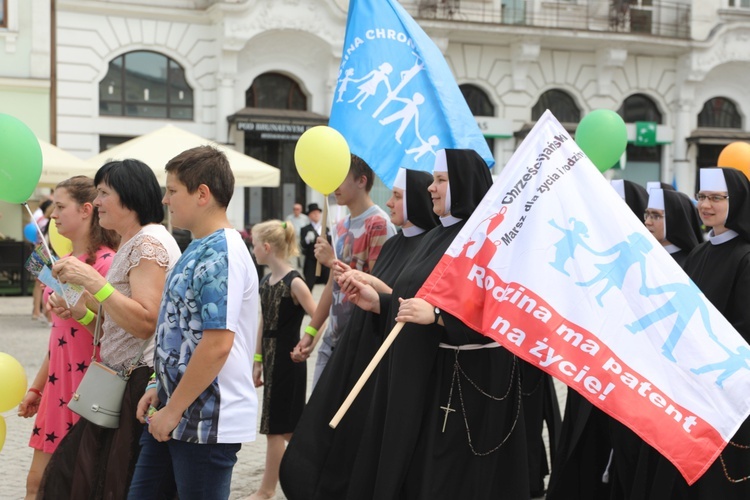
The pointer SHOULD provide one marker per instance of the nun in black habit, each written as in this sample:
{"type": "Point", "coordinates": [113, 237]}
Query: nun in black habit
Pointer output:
{"type": "Point", "coordinates": [317, 461]}
{"type": "Point", "coordinates": [720, 267]}
{"type": "Point", "coordinates": [540, 406]}
{"type": "Point", "coordinates": [446, 419]}
{"type": "Point", "coordinates": [634, 195]}
{"type": "Point", "coordinates": [673, 220]}
{"type": "Point", "coordinates": [581, 463]}
{"type": "Point", "coordinates": [671, 217]}
{"type": "Point", "coordinates": [658, 185]}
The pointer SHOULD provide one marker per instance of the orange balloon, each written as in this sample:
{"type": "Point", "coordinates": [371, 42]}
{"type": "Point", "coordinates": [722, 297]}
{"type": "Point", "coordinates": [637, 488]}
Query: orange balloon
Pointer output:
{"type": "Point", "coordinates": [736, 155]}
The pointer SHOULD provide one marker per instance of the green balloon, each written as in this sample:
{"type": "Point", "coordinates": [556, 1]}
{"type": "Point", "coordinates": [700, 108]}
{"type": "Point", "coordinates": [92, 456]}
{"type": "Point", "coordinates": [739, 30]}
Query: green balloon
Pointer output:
{"type": "Point", "coordinates": [20, 160]}
{"type": "Point", "coordinates": [603, 137]}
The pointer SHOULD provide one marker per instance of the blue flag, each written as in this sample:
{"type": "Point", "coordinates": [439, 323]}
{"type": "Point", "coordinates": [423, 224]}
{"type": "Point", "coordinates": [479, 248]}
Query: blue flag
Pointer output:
{"type": "Point", "coordinates": [396, 101]}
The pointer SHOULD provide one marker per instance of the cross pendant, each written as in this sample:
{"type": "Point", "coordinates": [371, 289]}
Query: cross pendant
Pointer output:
{"type": "Point", "coordinates": [447, 409]}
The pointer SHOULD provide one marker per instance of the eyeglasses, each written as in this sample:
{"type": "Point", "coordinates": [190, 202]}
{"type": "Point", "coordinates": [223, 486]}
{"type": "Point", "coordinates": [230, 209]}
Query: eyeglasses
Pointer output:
{"type": "Point", "coordinates": [713, 198]}
{"type": "Point", "coordinates": [652, 215]}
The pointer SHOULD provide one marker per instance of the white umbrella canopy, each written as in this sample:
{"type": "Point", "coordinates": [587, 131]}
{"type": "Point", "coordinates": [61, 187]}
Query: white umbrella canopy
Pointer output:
{"type": "Point", "coordinates": [156, 148]}
{"type": "Point", "coordinates": [58, 165]}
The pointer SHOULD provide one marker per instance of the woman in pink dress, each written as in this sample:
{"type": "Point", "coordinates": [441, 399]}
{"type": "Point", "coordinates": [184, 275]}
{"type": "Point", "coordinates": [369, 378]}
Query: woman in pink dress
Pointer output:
{"type": "Point", "coordinates": [71, 342]}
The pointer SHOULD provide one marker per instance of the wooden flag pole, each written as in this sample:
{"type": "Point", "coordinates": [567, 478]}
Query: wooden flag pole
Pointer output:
{"type": "Point", "coordinates": [365, 375]}
{"type": "Point", "coordinates": [323, 232]}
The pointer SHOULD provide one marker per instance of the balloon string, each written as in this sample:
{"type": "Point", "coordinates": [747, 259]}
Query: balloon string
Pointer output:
{"type": "Point", "coordinates": [334, 235]}
{"type": "Point", "coordinates": [39, 230]}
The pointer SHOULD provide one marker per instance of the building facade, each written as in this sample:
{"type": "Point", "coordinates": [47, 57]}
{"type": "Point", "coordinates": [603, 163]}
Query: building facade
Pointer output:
{"type": "Point", "coordinates": [25, 76]}
{"type": "Point", "coordinates": [257, 73]}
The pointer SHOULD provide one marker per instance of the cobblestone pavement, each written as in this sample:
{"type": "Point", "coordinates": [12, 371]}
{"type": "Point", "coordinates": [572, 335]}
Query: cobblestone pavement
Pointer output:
{"type": "Point", "coordinates": [26, 340]}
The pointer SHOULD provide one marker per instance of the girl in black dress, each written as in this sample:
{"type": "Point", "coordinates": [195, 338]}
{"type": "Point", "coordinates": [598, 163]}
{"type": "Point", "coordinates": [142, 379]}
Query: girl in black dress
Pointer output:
{"type": "Point", "coordinates": [284, 299]}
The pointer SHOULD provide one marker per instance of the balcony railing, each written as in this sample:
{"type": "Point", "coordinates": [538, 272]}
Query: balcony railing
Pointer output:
{"type": "Point", "coordinates": [663, 19]}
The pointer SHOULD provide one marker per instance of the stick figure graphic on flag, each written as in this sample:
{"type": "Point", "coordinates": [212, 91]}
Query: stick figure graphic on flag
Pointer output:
{"type": "Point", "coordinates": [591, 298]}
{"type": "Point", "coordinates": [395, 84]}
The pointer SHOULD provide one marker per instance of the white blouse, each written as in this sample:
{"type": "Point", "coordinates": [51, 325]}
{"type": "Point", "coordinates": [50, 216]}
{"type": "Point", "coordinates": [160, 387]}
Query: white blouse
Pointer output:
{"type": "Point", "coordinates": [152, 242]}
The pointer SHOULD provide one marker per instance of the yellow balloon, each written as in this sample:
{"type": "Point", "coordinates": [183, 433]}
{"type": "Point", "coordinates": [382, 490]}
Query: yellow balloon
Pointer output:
{"type": "Point", "coordinates": [322, 158]}
{"type": "Point", "coordinates": [13, 386]}
{"type": "Point", "coordinates": [2, 432]}
{"type": "Point", "coordinates": [60, 244]}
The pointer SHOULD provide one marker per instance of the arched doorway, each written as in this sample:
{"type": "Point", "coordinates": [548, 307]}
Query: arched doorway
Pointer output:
{"type": "Point", "coordinates": [273, 119]}
{"type": "Point", "coordinates": [480, 105]}
{"type": "Point", "coordinates": [717, 113]}
{"type": "Point", "coordinates": [562, 105]}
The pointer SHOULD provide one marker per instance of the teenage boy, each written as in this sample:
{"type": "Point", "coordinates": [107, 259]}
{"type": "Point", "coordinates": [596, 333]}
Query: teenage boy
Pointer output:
{"type": "Point", "coordinates": [204, 396]}
{"type": "Point", "coordinates": [359, 238]}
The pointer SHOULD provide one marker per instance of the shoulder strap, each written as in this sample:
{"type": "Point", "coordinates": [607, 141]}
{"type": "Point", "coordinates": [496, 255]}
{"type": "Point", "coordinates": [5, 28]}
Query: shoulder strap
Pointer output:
{"type": "Point", "coordinates": [137, 358]}
{"type": "Point", "coordinates": [294, 274]}
{"type": "Point", "coordinates": [97, 331]}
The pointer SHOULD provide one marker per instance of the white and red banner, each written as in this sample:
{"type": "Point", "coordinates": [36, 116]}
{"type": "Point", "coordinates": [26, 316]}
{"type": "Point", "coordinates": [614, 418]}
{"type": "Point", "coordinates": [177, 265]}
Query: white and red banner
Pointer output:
{"type": "Point", "coordinates": [555, 267]}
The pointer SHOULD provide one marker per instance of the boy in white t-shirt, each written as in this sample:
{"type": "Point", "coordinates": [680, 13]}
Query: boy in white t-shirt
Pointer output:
{"type": "Point", "coordinates": [203, 393]}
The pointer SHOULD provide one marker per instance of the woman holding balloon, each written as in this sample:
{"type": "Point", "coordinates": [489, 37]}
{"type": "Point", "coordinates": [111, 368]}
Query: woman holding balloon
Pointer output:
{"type": "Point", "coordinates": [70, 345]}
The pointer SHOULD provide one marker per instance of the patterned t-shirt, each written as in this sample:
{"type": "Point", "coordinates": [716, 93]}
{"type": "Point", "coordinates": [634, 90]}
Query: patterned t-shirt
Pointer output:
{"type": "Point", "coordinates": [214, 286]}
{"type": "Point", "coordinates": [358, 243]}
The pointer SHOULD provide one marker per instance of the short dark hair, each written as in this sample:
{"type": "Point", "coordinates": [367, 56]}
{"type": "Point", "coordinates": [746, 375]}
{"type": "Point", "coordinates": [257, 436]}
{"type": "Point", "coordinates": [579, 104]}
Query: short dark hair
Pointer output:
{"type": "Point", "coordinates": [44, 205]}
{"type": "Point", "coordinates": [358, 168]}
{"type": "Point", "coordinates": [204, 165]}
{"type": "Point", "coordinates": [136, 184]}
